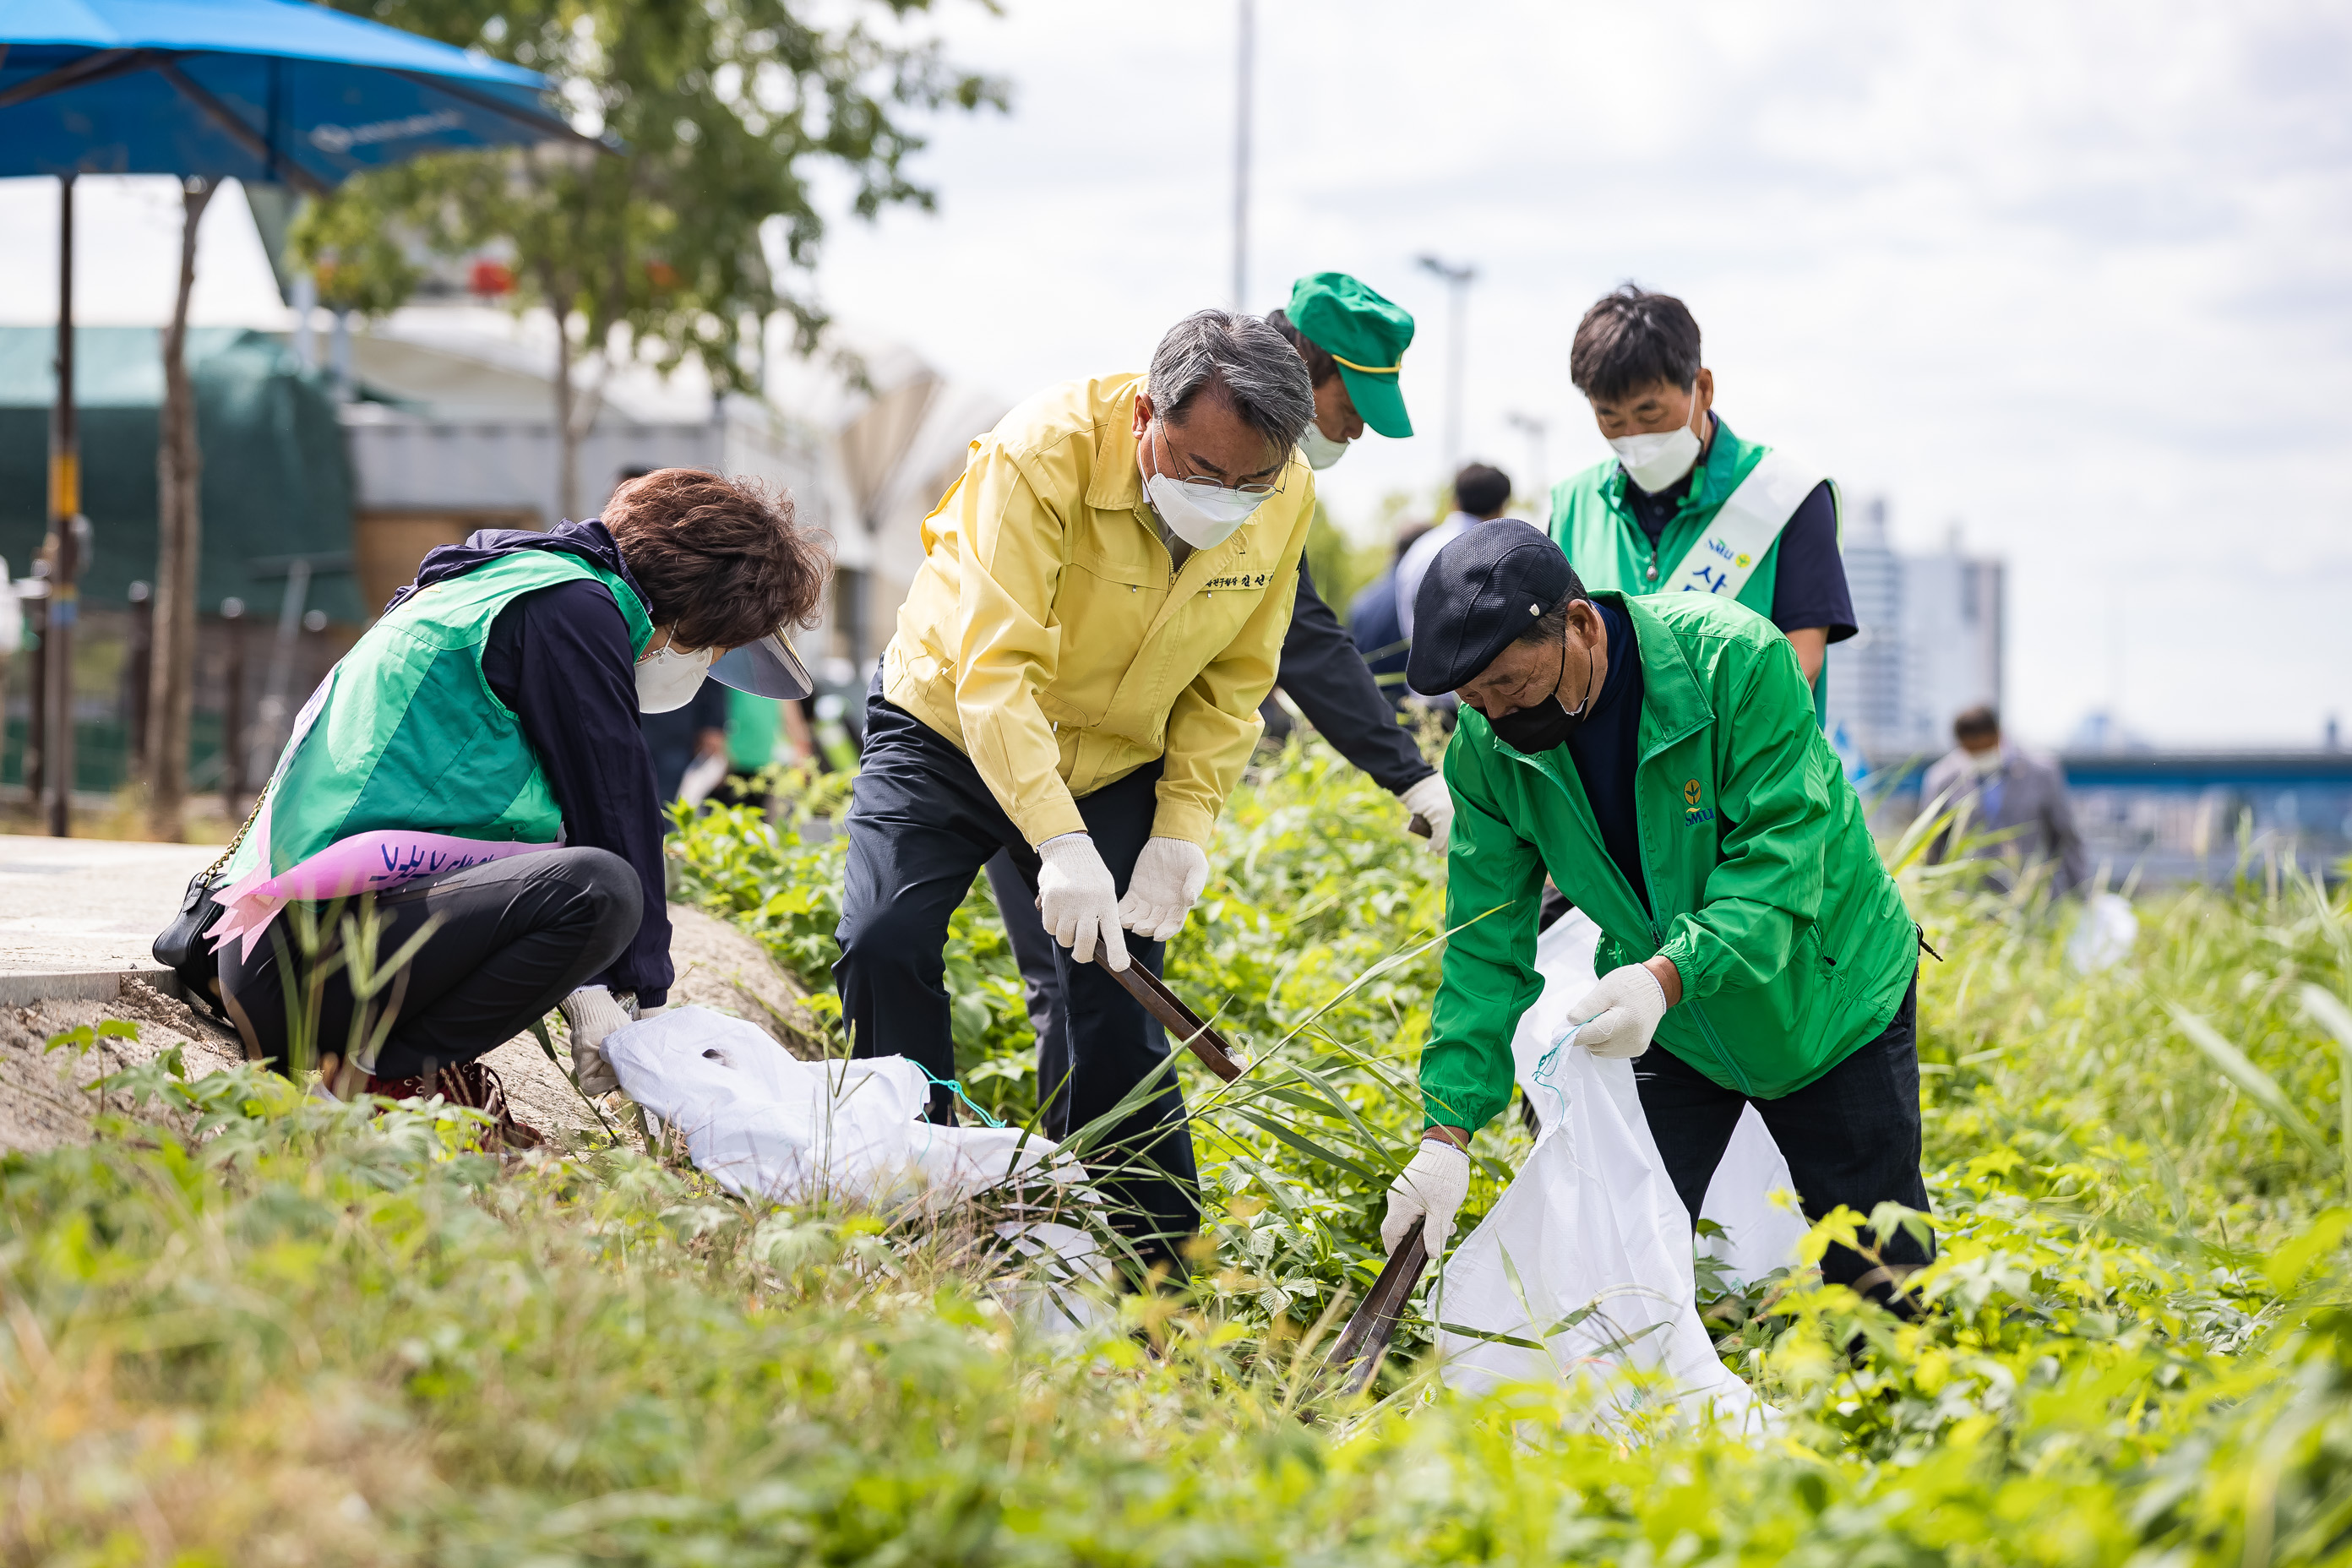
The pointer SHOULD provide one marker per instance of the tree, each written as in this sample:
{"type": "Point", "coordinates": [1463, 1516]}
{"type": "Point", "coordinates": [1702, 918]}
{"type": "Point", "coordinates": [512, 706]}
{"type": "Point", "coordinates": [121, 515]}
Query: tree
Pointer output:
{"type": "Point", "coordinates": [715, 116]}
{"type": "Point", "coordinates": [179, 528]}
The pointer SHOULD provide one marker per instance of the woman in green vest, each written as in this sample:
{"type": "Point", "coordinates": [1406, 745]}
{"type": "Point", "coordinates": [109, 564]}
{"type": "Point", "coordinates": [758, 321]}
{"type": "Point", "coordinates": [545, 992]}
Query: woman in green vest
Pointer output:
{"type": "Point", "coordinates": [474, 766]}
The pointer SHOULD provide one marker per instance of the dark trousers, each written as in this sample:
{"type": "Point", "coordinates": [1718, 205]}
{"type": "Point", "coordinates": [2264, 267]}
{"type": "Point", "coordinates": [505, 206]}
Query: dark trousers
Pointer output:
{"type": "Point", "coordinates": [1851, 1136]}
{"type": "Point", "coordinates": [510, 941]}
{"type": "Point", "coordinates": [1041, 980]}
{"type": "Point", "coordinates": [921, 825]}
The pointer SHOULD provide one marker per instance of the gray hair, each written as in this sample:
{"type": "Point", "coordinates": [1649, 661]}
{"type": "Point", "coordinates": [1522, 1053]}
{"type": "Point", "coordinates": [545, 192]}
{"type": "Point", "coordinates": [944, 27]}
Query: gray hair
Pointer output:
{"type": "Point", "coordinates": [1242, 362]}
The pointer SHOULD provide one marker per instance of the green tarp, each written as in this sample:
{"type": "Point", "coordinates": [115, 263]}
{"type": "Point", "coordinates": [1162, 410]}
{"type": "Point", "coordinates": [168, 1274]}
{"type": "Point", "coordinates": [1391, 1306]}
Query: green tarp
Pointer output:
{"type": "Point", "coordinates": [276, 477]}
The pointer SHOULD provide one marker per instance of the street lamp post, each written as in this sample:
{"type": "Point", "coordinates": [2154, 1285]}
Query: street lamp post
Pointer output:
{"type": "Point", "coordinates": [1535, 430]}
{"type": "Point", "coordinates": [1458, 279]}
{"type": "Point", "coordinates": [1245, 45]}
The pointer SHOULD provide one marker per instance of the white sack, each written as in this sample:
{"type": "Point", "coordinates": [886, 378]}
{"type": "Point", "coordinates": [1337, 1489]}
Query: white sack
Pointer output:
{"type": "Point", "coordinates": [1760, 1235]}
{"type": "Point", "coordinates": [1589, 1252]}
{"type": "Point", "coordinates": [2104, 935]}
{"type": "Point", "coordinates": [764, 1124]}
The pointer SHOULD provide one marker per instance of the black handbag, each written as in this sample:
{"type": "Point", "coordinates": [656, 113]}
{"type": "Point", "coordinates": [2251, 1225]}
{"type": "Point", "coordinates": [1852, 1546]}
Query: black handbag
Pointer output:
{"type": "Point", "coordinates": [184, 947]}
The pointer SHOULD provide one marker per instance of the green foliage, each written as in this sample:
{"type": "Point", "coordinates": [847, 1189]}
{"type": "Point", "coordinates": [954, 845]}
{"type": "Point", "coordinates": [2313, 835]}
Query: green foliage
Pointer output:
{"type": "Point", "coordinates": [717, 120]}
{"type": "Point", "coordinates": [301, 1331]}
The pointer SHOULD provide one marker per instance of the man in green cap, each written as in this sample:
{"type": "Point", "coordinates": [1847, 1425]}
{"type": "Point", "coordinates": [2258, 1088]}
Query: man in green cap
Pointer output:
{"type": "Point", "coordinates": [1353, 341]}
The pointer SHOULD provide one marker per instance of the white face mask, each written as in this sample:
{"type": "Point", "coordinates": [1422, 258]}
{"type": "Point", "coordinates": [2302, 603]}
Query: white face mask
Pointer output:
{"type": "Point", "coordinates": [1984, 764]}
{"type": "Point", "coordinates": [1320, 449]}
{"type": "Point", "coordinates": [1657, 460]}
{"type": "Point", "coordinates": [668, 679]}
{"type": "Point", "coordinates": [1202, 516]}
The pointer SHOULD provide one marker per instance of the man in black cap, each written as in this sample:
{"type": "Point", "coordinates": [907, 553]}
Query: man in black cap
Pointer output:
{"type": "Point", "coordinates": [1659, 759]}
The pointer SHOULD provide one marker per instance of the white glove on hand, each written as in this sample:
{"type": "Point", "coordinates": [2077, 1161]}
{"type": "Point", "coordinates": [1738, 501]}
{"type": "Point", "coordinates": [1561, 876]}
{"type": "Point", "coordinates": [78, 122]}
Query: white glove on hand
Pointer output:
{"type": "Point", "coordinates": [1427, 1192]}
{"type": "Point", "coordinates": [592, 1013]}
{"type": "Point", "coordinates": [1078, 900]}
{"type": "Point", "coordinates": [1431, 802]}
{"type": "Point", "coordinates": [1618, 1016]}
{"type": "Point", "coordinates": [1168, 876]}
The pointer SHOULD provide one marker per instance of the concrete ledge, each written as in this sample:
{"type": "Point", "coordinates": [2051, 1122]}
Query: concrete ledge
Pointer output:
{"type": "Point", "coordinates": [23, 988]}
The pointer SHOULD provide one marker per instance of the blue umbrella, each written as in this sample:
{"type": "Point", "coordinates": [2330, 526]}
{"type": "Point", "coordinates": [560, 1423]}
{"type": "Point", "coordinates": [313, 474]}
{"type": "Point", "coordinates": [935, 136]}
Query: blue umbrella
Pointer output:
{"type": "Point", "coordinates": [246, 89]}
{"type": "Point", "coordinates": [270, 90]}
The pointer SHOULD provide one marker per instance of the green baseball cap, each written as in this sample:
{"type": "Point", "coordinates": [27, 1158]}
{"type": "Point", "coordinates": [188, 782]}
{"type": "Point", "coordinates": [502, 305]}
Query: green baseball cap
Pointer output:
{"type": "Point", "coordinates": [1367, 334]}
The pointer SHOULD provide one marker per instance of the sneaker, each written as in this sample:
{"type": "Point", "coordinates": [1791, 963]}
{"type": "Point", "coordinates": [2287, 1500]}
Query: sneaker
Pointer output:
{"type": "Point", "coordinates": [471, 1085]}
{"type": "Point", "coordinates": [477, 1086]}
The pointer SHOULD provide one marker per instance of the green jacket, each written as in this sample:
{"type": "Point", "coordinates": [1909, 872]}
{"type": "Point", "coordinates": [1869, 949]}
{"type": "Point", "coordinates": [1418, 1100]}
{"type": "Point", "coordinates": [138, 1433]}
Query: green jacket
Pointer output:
{"type": "Point", "coordinates": [1765, 887]}
{"type": "Point", "coordinates": [405, 733]}
{"type": "Point", "coordinates": [1592, 522]}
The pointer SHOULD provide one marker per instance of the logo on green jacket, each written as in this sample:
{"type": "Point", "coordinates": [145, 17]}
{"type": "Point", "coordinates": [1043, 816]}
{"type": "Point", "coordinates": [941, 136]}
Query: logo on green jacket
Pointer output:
{"type": "Point", "coordinates": [1694, 813]}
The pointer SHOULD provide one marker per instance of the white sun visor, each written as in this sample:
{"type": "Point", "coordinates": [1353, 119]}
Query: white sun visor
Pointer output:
{"type": "Point", "coordinates": [768, 668]}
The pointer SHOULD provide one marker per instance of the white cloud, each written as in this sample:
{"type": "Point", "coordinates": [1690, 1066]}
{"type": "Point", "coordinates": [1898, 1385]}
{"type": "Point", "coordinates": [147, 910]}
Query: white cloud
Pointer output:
{"type": "Point", "coordinates": [2072, 276]}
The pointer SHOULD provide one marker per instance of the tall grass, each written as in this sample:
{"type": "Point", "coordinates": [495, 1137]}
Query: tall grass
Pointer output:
{"type": "Point", "coordinates": [303, 1334]}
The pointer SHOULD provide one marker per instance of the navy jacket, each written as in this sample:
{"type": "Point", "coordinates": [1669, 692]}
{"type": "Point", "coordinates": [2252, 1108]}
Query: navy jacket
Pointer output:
{"type": "Point", "coordinates": [1324, 674]}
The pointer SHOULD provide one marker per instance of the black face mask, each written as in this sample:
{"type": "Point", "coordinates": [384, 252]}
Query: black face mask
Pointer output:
{"type": "Point", "coordinates": [1546, 725]}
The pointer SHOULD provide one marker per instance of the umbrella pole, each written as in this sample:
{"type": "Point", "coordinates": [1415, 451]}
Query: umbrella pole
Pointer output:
{"type": "Point", "coordinates": [64, 506]}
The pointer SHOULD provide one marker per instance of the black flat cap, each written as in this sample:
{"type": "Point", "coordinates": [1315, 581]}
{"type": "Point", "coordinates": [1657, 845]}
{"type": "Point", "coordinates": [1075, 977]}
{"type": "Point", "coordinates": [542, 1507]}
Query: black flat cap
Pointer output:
{"type": "Point", "coordinates": [1478, 597]}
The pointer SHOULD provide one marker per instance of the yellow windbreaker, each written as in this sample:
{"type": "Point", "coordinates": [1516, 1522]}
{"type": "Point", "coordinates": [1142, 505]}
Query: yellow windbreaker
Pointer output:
{"type": "Point", "coordinates": [1050, 637]}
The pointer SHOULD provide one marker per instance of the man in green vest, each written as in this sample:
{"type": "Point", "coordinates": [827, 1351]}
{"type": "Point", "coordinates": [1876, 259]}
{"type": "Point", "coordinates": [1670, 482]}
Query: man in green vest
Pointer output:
{"type": "Point", "coordinates": [1684, 504]}
{"type": "Point", "coordinates": [1658, 758]}
{"type": "Point", "coordinates": [474, 765]}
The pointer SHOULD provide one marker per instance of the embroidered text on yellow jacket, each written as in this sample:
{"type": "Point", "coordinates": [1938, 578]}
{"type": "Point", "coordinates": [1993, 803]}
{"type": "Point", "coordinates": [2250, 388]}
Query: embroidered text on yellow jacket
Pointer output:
{"type": "Point", "coordinates": [1050, 635]}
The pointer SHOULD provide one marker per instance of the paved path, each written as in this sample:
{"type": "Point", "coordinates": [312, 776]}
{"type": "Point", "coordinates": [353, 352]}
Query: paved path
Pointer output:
{"type": "Point", "coordinates": [86, 907]}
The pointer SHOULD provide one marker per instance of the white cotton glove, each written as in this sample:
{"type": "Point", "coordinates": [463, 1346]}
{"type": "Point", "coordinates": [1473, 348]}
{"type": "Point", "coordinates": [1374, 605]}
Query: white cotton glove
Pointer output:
{"type": "Point", "coordinates": [592, 1013]}
{"type": "Point", "coordinates": [1428, 1192]}
{"type": "Point", "coordinates": [1078, 900]}
{"type": "Point", "coordinates": [1619, 1016]}
{"type": "Point", "coordinates": [1168, 876]}
{"type": "Point", "coordinates": [1431, 802]}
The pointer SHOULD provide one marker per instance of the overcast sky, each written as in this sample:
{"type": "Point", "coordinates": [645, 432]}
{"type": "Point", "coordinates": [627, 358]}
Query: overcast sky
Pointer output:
{"type": "Point", "coordinates": [2076, 281]}
{"type": "Point", "coordinates": [2071, 278]}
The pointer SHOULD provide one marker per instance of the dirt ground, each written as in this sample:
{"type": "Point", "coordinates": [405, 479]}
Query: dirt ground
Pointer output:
{"type": "Point", "coordinates": [46, 1103]}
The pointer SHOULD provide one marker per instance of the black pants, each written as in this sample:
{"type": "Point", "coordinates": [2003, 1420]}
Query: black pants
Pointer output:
{"type": "Point", "coordinates": [921, 825]}
{"type": "Point", "coordinates": [1851, 1136]}
{"type": "Point", "coordinates": [1040, 979]}
{"type": "Point", "coordinates": [510, 940]}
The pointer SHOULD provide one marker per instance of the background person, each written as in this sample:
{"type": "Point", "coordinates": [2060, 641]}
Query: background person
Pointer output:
{"type": "Point", "coordinates": [1374, 625]}
{"type": "Point", "coordinates": [1353, 343]}
{"type": "Point", "coordinates": [1076, 678]}
{"type": "Point", "coordinates": [1658, 757]}
{"type": "Point", "coordinates": [1481, 492]}
{"type": "Point", "coordinates": [2011, 806]}
{"type": "Point", "coordinates": [498, 699]}
{"type": "Point", "coordinates": [1640, 522]}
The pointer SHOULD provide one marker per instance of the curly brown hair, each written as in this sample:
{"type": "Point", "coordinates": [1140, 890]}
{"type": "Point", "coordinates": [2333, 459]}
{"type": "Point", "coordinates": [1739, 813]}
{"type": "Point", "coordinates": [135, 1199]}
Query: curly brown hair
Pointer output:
{"type": "Point", "coordinates": [721, 558]}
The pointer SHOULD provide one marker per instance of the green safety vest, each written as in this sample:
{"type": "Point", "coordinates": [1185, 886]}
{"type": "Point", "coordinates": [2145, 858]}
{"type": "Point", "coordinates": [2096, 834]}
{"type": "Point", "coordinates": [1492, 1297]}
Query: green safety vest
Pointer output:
{"type": "Point", "coordinates": [405, 731]}
{"type": "Point", "coordinates": [1592, 524]}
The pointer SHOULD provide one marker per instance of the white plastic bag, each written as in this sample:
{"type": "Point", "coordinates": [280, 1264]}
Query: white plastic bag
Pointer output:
{"type": "Point", "coordinates": [764, 1124]}
{"type": "Point", "coordinates": [1761, 1233]}
{"type": "Point", "coordinates": [2106, 934]}
{"type": "Point", "coordinates": [1589, 1251]}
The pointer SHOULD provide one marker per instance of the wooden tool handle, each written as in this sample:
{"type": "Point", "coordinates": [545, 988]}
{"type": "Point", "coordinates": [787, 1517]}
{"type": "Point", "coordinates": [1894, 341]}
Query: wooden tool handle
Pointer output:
{"type": "Point", "coordinates": [1356, 1356]}
{"type": "Point", "coordinates": [1180, 1020]}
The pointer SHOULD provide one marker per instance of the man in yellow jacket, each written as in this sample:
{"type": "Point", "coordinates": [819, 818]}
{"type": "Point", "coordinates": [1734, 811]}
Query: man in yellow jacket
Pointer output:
{"type": "Point", "coordinates": [1076, 678]}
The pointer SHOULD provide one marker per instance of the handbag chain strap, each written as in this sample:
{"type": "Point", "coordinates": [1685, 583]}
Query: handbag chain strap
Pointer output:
{"type": "Point", "coordinates": [214, 868]}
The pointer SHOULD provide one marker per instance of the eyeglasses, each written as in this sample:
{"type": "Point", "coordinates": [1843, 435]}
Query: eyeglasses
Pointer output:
{"type": "Point", "coordinates": [1259, 488]}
